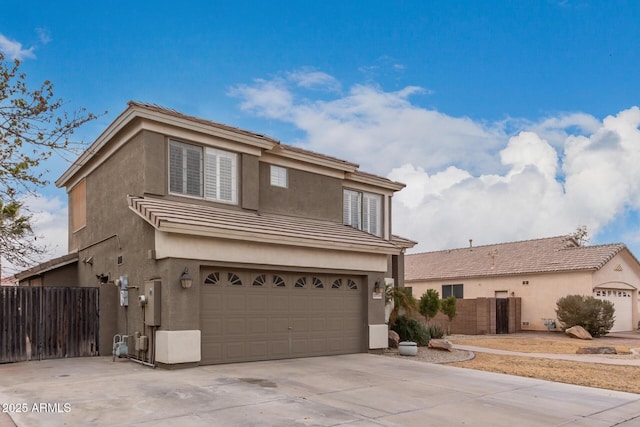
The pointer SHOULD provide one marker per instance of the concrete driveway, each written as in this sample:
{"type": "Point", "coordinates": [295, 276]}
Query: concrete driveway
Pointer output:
{"type": "Point", "coordinates": [353, 390]}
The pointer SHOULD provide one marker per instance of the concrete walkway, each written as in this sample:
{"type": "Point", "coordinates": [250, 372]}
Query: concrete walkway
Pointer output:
{"type": "Point", "coordinates": [354, 390]}
{"type": "Point", "coordinates": [587, 358]}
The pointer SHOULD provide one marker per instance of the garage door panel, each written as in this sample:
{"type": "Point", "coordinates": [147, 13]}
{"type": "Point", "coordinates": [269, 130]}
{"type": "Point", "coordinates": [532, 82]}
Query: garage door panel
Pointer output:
{"type": "Point", "coordinates": [234, 351]}
{"type": "Point", "coordinates": [257, 303]}
{"type": "Point", "coordinates": [319, 303]}
{"type": "Point", "coordinates": [317, 324]}
{"type": "Point", "coordinates": [269, 318]}
{"type": "Point", "coordinates": [299, 303]}
{"type": "Point", "coordinates": [258, 325]}
{"type": "Point", "coordinates": [212, 327]}
{"type": "Point", "coordinates": [278, 348]}
{"type": "Point", "coordinates": [234, 326]}
{"type": "Point", "coordinates": [278, 302]}
{"type": "Point", "coordinates": [257, 349]}
{"type": "Point", "coordinates": [299, 324]}
{"type": "Point", "coordinates": [280, 324]}
{"type": "Point", "coordinates": [234, 303]}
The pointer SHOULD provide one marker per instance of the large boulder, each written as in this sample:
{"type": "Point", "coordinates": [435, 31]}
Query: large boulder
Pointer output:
{"type": "Point", "coordinates": [441, 344]}
{"type": "Point", "coordinates": [394, 339]}
{"type": "Point", "coordinates": [596, 350]}
{"type": "Point", "coordinates": [578, 332]}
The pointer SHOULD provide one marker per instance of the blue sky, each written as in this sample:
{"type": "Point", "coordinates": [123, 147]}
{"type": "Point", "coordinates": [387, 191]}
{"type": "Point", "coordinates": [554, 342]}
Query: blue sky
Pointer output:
{"type": "Point", "coordinates": [507, 120]}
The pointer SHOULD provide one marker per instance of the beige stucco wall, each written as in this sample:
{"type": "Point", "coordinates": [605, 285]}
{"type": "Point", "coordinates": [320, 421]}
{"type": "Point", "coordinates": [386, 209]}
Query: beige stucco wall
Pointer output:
{"type": "Point", "coordinates": [170, 245]}
{"type": "Point", "coordinates": [539, 296]}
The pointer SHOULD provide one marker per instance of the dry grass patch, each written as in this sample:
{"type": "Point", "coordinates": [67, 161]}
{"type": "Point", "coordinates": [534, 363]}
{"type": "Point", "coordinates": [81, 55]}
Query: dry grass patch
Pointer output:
{"type": "Point", "coordinates": [610, 377]}
{"type": "Point", "coordinates": [537, 345]}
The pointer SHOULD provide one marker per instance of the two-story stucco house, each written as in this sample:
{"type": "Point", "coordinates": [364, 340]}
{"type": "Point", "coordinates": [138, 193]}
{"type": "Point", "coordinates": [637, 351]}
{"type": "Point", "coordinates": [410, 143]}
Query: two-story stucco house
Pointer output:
{"type": "Point", "coordinates": [215, 244]}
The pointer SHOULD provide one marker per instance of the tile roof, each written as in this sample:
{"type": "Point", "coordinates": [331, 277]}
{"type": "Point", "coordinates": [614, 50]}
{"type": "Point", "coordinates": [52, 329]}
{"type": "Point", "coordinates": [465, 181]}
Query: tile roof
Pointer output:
{"type": "Point", "coordinates": [552, 254]}
{"type": "Point", "coordinates": [165, 110]}
{"type": "Point", "coordinates": [52, 264]}
{"type": "Point", "coordinates": [178, 217]}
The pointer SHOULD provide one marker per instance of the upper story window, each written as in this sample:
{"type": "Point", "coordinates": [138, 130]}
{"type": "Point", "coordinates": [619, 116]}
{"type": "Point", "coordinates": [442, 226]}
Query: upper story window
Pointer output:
{"type": "Point", "coordinates": [79, 206]}
{"type": "Point", "coordinates": [362, 211]}
{"type": "Point", "coordinates": [279, 176]}
{"type": "Point", "coordinates": [203, 172]}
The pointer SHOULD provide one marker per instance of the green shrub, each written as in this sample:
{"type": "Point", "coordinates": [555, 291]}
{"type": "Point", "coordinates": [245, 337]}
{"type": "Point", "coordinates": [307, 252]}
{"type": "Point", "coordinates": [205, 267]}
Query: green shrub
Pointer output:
{"type": "Point", "coordinates": [403, 303]}
{"type": "Point", "coordinates": [435, 331]}
{"type": "Point", "coordinates": [411, 329]}
{"type": "Point", "coordinates": [429, 304]}
{"type": "Point", "coordinates": [596, 316]}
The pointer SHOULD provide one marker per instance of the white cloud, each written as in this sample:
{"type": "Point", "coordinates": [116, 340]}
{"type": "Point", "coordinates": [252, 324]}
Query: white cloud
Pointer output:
{"type": "Point", "coordinates": [13, 49]}
{"type": "Point", "coordinates": [310, 79]}
{"type": "Point", "coordinates": [368, 124]}
{"type": "Point", "coordinates": [44, 35]}
{"type": "Point", "coordinates": [491, 182]}
{"type": "Point", "coordinates": [49, 223]}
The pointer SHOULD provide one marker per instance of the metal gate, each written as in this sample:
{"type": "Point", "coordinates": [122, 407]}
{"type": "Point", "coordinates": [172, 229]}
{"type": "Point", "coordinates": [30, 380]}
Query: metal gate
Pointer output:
{"type": "Point", "coordinates": [502, 316]}
{"type": "Point", "coordinates": [48, 323]}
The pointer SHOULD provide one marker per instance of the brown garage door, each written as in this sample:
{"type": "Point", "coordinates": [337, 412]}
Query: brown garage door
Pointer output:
{"type": "Point", "coordinates": [252, 315]}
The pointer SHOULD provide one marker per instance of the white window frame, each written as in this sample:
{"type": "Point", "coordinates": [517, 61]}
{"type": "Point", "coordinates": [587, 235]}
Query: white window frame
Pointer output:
{"type": "Point", "coordinates": [218, 179]}
{"type": "Point", "coordinates": [220, 175]}
{"type": "Point", "coordinates": [279, 176]}
{"type": "Point", "coordinates": [363, 211]}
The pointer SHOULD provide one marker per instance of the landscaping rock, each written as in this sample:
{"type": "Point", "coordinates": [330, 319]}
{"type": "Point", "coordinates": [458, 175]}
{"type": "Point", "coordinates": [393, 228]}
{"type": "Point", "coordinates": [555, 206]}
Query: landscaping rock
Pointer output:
{"type": "Point", "coordinates": [578, 332]}
{"type": "Point", "coordinates": [438, 344]}
{"type": "Point", "coordinates": [394, 339]}
{"type": "Point", "coordinates": [596, 350]}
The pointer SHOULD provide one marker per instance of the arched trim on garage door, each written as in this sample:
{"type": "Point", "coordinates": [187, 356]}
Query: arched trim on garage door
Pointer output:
{"type": "Point", "coordinates": [615, 285]}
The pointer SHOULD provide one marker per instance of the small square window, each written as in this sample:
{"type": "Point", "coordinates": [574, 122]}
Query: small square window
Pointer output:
{"type": "Point", "coordinates": [278, 176]}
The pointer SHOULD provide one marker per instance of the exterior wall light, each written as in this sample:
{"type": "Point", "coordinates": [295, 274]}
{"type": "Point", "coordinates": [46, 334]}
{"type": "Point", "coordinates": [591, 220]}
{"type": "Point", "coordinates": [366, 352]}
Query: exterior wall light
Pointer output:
{"type": "Point", "coordinates": [185, 279]}
{"type": "Point", "coordinates": [377, 289]}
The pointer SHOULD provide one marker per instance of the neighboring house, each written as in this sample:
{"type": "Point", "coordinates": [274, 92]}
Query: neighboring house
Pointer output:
{"type": "Point", "coordinates": [9, 281]}
{"type": "Point", "coordinates": [229, 245]}
{"type": "Point", "coordinates": [538, 271]}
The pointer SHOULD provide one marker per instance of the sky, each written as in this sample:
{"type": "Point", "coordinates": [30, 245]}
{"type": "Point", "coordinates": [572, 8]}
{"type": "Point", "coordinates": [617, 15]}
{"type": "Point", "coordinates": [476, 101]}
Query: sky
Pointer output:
{"type": "Point", "coordinates": [506, 120]}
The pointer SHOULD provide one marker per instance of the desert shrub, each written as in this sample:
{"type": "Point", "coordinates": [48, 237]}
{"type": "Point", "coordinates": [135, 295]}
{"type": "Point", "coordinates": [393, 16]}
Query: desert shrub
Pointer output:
{"type": "Point", "coordinates": [403, 303]}
{"type": "Point", "coordinates": [429, 304]}
{"type": "Point", "coordinates": [596, 316]}
{"type": "Point", "coordinates": [435, 331]}
{"type": "Point", "coordinates": [411, 329]}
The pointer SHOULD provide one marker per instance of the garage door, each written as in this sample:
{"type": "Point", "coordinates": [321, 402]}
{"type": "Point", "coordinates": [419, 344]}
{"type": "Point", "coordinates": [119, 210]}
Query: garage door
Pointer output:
{"type": "Point", "coordinates": [253, 315]}
{"type": "Point", "coordinates": [622, 304]}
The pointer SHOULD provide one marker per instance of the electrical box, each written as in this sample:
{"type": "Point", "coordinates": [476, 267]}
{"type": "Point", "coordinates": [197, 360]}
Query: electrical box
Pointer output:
{"type": "Point", "coordinates": [152, 307]}
{"type": "Point", "coordinates": [142, 343]}
{"type": "Point", "coordinates": [123, 283]}
{"type": "Point", "coordinates": [124, 298]}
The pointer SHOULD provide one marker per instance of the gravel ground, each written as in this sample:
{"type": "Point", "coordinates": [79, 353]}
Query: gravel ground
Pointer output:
{"type": "Point", "coordinates": [430, 355]}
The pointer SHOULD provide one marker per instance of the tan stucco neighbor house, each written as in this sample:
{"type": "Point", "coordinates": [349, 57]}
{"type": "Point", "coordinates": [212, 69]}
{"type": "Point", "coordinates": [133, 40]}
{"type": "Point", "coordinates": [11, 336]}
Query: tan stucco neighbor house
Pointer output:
{"type": "Point", "coordinates": [213, 244]}
{"type": "Point", "coordinates": [538, 271]}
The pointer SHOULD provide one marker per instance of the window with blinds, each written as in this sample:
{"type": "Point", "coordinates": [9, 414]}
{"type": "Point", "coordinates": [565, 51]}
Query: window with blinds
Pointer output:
{"type": "Point", "coordinates": [362, 211]}
{"type": "Point", "coordinates": [208, 172]}
{"type": "Point", "coordinates": [278, 176]}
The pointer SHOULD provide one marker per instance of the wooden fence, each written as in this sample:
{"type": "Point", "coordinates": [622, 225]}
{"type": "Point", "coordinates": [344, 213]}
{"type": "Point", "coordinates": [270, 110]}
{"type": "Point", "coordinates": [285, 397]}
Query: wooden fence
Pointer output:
{"type": "Point", "coordinates": [48, 323]}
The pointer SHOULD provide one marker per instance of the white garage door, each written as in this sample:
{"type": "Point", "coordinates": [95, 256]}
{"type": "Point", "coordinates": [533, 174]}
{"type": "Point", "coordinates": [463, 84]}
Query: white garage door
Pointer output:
{"type": "Point", "coordinates": [253, 315]}
{"type": "Point", "coordinates": [622, 303]}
